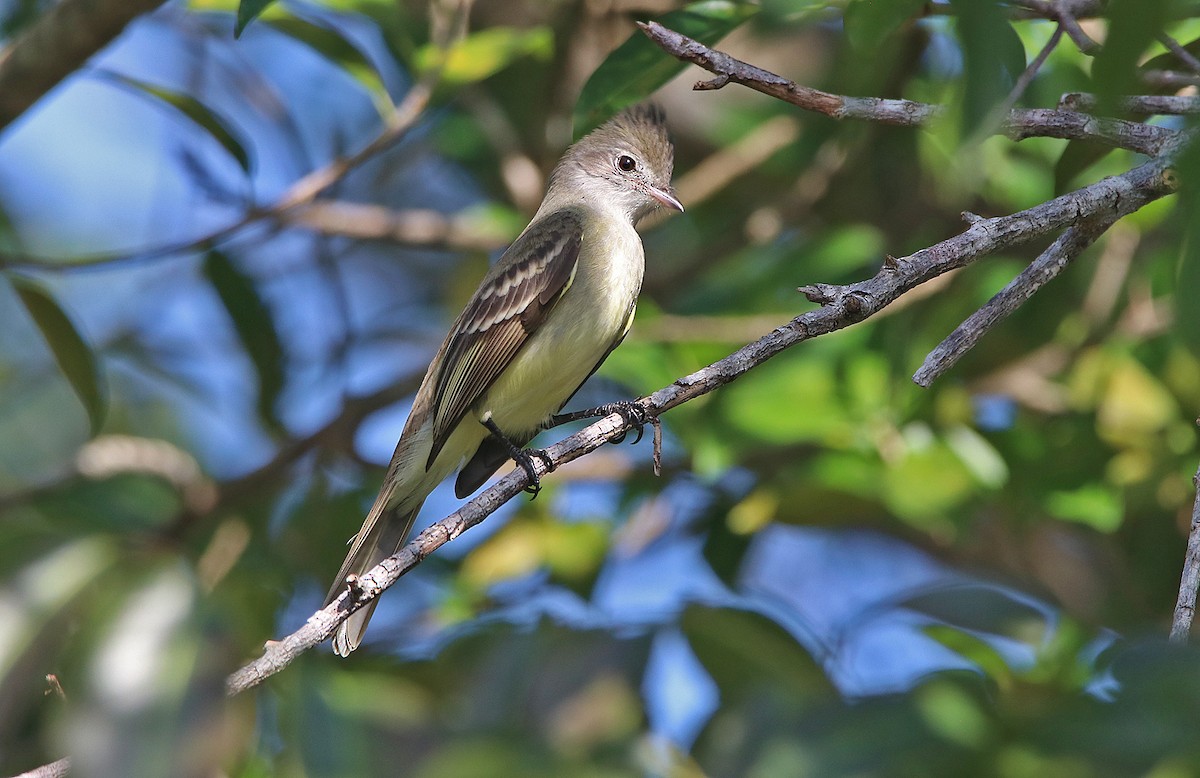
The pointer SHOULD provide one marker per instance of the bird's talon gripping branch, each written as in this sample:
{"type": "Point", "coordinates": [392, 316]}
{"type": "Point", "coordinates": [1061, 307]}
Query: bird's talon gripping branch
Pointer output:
{"type": "Point", "coordinates": [523, 457]}
{"type": "Point", "coordinates": [631, 411]}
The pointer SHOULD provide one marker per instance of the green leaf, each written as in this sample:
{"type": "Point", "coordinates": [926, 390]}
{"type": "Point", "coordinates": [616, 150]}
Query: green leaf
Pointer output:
{"type": "Point", "coordinates": [1132, 27]}
{"type": "Point", "coordinates": [254, 326]}
{"type": "Point", "coordinates": [330, 44]}
{"type": "Point", "coordinates": [193, 109]}
{"type": "Point", "coordinates": [869, 22]}
{"type": "Point", "coordinates": [993, 58]}
{"type": "Point", "coordinates": [1094, 505]}
{"type": "Point", "coordinates": [485, 53]}
{"type": "Point", "coordinates": [638, 67]}
{"type": "Point", "coordinates": [1077, 157]}
{"type": "Point", "coordinates": [75, 359]}
{"type": "Point", "coordinates": [248, 11]}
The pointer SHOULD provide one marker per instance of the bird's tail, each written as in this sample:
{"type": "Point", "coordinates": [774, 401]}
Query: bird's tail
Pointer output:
{"type": "Point", "coordinates": [382, 534]}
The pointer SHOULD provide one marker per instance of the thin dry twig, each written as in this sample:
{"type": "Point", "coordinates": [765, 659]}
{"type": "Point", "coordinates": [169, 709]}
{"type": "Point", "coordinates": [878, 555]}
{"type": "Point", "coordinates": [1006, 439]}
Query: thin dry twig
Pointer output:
{"type": "Point", "coordinates": [1067, 15]}
{"type": "Point", "coordinates": [1031, 70]}
{"type": "Point", "coordinates": [841, 306]}
{"type": "Point", "coordinates": [1018, 124]}
{"type": "Point", "coordinates": [1185, 605]}
{"type": "Point", "coordinates": [1185, 56]}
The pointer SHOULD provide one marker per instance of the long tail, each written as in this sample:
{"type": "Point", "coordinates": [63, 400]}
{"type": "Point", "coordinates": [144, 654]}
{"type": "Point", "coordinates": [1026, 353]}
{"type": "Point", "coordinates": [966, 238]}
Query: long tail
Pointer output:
{"type": "Point", "coordinates": [382, 534]}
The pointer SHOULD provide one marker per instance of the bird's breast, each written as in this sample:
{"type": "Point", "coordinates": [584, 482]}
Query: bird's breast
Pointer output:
{"type": "Point", "coordinates": [580, 330]}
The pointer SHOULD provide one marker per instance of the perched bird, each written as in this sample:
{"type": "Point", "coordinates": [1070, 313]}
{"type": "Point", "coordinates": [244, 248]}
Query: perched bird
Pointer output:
{"type": "Point", "coordinates": [546, 315]}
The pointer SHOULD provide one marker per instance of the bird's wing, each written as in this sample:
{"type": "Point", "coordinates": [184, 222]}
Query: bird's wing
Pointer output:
{"type": "Point", "coordinates": [509, 307]}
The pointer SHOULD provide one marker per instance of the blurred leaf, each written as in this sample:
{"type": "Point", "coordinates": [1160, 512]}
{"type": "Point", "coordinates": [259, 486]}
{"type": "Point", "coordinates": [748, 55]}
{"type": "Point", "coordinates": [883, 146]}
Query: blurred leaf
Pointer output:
{"type": "Point", "coordinates": [638, 67]}
{"type": "Point", "coordinates": [1077, 157]}
{"type": "Point", "coordinates": [1134, 403]}
{"type": "Point", "coordinates": [983, 608]}
{"type": "Point", "coordinates": [203, 116]}
{"type": "Point", "coordinates": [254, 326]}
{"type": "Point", "coordinates": [248, 11]}
{"type": "Point", "coordinates": [1095, 505]}
{"type": "Point", "coordinates": [869, 22]}
{"type": "Point", "coordinates": [327, 41]}
{"type": "Point", "coordinates": [993, 58]}
{"type": "Point", "coordinates": [788, 401]}
{"type": "Point", "coordinates": [485, 53]}
{"type": "Point", "coordinates": [1132, 28]}
{"type": "Point", "coordinates": [742, 649]}
{"type": "Point", "coordinates": [39, 591]}
{"type": "Point", "coordinates": [75, 359]}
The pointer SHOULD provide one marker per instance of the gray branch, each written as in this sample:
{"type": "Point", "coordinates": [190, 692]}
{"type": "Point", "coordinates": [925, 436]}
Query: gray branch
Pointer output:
{"type": "Point", "coordinates": [1185, 606]}
{"type": "Point", "coordinates": [56, 769]}
{"type": "Point", "coordinates": [56, 45]}
{"type": "Point", "coordinates": [1040, 272]}
{"type": "Point", "coordinates": [1018, 124]}
{"type": "Point", "coordinates": [1147, 105]}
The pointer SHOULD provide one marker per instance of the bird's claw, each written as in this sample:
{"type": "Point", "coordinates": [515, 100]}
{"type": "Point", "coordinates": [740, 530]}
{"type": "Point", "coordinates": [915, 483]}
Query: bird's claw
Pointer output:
{"type": "Point", "coordinates": [524, 457]}
{"type": "Point", "coordinates": [634, 415]}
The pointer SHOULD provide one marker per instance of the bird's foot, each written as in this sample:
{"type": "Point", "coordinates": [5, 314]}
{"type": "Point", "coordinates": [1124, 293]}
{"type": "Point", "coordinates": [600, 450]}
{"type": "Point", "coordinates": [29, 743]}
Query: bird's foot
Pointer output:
{"type": "Point", "coordinates": [631, 411]}
{"type": "Point", "coordinates": [523, 457]}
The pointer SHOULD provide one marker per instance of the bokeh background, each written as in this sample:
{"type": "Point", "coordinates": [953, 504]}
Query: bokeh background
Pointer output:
{"type": "Point", "coordinates": [837, 574]}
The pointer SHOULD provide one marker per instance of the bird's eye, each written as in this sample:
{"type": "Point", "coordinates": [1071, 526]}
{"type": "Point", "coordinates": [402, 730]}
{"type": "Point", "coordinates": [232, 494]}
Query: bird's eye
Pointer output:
{"type": "Point", "coordinates": [626, 163]}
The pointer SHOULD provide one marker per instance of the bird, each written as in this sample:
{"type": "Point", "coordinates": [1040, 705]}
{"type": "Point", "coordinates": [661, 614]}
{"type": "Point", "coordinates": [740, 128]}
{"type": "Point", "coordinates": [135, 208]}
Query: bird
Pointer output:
{"type": "Point", "coordinates": [544, 318]}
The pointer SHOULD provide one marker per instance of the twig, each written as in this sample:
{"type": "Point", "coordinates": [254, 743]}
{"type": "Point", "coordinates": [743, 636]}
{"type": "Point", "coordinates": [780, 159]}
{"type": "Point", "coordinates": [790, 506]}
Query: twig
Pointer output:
{"type": "Point", "coordinates": [1067, 15]}
{"type": "Point", "coordinates": [1147, 105]}
{"type": "Point", "coordinates": [411, 227]}
{"type": "Point", "coordinates": [1168, 79]}
{"type": "Point", "coordinates": [1018, 124]}
{"type": "Point", "coordinates": [1185, 56]}
{"type": "Point", "coordinates": [1026, 77]}
{"type": "Point", "coordinates": [1185, 606]}
{"type": "Point", "coordinates": [841, 306]}
{"type": "Point", "coordinates": [1041, 271]}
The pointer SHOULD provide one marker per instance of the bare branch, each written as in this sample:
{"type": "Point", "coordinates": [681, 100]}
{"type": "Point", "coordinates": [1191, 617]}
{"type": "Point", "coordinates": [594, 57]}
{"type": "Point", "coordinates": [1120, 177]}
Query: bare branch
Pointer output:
{"type": "Point", "coordinates": [1168, 79]}
{"type": "Point", "coordinates": [842, 306]}
{"type": "Point", "coordinates": [56, 45]}
{"type": "Point", "coordinates": [413, 227]}
{"type": "Point", "coordinates": [1185, 606]}
{"type": "Point", "coordinates": [53, 770]}
{"type": "Point", "coordinates": [1147, 105]}
{"type": "Point", "coordinates": [1018, 124]}
{"type": "Point", "coordinates": [1067, 14]}
{"type": "Point", "coordinates": [1039, 272]}
{"type": "Point", "coordinates": [1026, 77]}
{"type": "Point", "coordinates": [1185, 56]}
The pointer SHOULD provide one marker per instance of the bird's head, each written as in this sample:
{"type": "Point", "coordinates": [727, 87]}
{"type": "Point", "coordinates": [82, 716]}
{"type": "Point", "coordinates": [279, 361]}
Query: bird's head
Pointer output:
{"type": "Point", "coordinates": [625, 162]}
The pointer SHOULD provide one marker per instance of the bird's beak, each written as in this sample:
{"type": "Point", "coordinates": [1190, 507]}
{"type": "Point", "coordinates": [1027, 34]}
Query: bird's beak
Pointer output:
{"type": "Point", "coordinates": [666, 197]}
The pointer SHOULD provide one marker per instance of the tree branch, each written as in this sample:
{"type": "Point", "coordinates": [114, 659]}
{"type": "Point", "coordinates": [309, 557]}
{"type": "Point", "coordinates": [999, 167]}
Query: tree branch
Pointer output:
{"type": "Point", "coordinates": [1185, 606]}
{"type": "Point", "coordinates": [1040, 272]}
{"type": "Point", "coordinates": [56, 45]}
{"type": "Point", "coordinates": [842, 306]}
{"type": "Point", "coordinates": [412, 227]}
{"type": "Point", "coordinates": [1018, 123]}
{"type": "Point", "coordinates": [1147, 105]}
{"type": "Point", "coordinates": [57, 769]}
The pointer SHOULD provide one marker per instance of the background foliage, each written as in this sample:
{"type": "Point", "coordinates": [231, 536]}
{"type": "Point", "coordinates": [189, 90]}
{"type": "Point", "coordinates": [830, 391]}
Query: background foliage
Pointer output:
{"type": "Point", "coordinates": [839, 573]}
